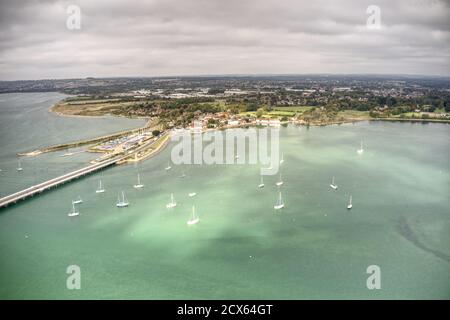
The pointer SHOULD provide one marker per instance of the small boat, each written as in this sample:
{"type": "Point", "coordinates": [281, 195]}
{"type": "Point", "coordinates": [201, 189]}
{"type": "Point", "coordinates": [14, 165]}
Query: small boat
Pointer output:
{"type": "Point", "coordinates": [122, 202]}
{"type": "Point", "coordinates": [73, 213]}
{"type": "Point", "coordinates": [280, 202]}
{"type": "Point", "coordinates": [183, 175]}
{"type": "Point", "coordinates": [261, 184]}
{"type": "Point", "coordinates": [19, 166]}
{"type": "Point", "coordinates": [280, 182]}
{"type": "Point", "coordinates": [168, 166]}
{"type": "Point", "coordinates": [349, 206]}
{"type": "Point", "coordinates": [68, 154]}
{"type": "Point", "coordinates": [282, 159]}
{"type": "Point", "coordinates": [139, 185]}
{"type": "Point", "coordinates": [78, 200]}
{"type": "Point", "coordinates": [333, 185]}
{"type": "Point", "coordinates": [361, 149]}
{"type": "Point", "coordinates": [193, 219]}
{"type": "Point", "coordinates": [100, 188]}
{"type": "Point", "coordinates": [172, 202]}
{"type": "Point", "coordinates": [192, 194]}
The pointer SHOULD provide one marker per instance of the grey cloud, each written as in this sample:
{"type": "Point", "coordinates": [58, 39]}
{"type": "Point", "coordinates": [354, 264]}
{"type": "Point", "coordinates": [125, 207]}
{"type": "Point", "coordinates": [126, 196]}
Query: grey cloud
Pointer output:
{"type": "Point", "coordinates": [179, 37]}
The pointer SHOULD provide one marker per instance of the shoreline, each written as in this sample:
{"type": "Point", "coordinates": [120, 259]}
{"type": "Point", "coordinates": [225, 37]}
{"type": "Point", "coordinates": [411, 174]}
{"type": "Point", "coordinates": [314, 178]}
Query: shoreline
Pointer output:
{"type": "Point", "coordinates": [105, 116]}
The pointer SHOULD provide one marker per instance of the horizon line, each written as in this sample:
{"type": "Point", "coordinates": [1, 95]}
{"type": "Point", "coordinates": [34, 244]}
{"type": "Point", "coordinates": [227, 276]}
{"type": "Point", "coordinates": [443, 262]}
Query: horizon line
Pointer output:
{"type": "Point", "coordinates": [230, 75]}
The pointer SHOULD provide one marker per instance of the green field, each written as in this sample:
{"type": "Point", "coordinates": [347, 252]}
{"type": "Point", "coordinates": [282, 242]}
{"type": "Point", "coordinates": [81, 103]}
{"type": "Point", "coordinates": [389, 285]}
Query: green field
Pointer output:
{"type": "Point", "coordinates": [354, 114]}
{"type": "Point", "coordinates": [292, 108]}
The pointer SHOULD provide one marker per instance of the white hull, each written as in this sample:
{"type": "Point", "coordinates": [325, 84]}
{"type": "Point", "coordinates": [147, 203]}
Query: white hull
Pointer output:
{"type": "Point", "coordinates": [19, 169]}
{"type": "Point", "coordinates": [280, 183]}
{"type": "Point", "coordinates": [278, 207]}
{"type": "Point", "coordinates": [192, 194]}
{"type": "Point", "coordinates": [168, 168]}
{"type": "Point", "coordinates": [360, 151]}
{"type": "Point", "coordinates": [67, 154]}
{"type": "Point", "coordinates": [171, 205]}
{"type": "Point", "coordinates": [349, 206]}
{"type": "Point", "coordinates": [193, 221]}
{"type": "Point", "coordinates": [122, 204]}
{"type": "Point", "coordinates": [73, 214]}
{"type": "Point", "coordinates": [100, 191]}
{"type": "Point", "coordinates": [261, 185]}
{"type": "Point", "coordinates": [78, 201]}
{"type": "Point", "coordinates": [138, 186]}
{"type": "Point", "coordinates": [333, 186]}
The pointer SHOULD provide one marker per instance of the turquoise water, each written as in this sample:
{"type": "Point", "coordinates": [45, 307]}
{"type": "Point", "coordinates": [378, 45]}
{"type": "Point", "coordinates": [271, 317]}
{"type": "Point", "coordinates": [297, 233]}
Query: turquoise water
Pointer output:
{"type": "Point", "coordinates": [314, 248]}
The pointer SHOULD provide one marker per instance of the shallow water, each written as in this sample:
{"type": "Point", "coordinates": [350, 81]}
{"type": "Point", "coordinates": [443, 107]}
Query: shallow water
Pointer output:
{"type": "Point", "coordinates": [314, 248]}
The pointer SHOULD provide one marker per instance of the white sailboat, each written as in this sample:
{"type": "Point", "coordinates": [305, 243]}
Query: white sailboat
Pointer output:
{"type": "Point", "coordinates": [122, 202]}
{"type": "Point", "coordinates": [172, 202]}
{"type": "Point", "coordinates": [168, 166]}
{"type": "Point", "coordinates": [280, 182]}
{"type": "Point", "coordinates": [73, 213]}
{"type": "Point", "coordinates": [261, 184]}
{"type": "Point", "coordinates": [192, 194]}
{"type": "Point", "coordinates": [282, 158]}
{"type": "Point", "coordinates": [19, 166]}
{"type": "Point", "coordinates": [350, 205]}
{"type": "Point", "coordinates": [100, 188]}
{"type": "Point", "coordinates": [139, 185]}
{"type": "Point", "coordinates": [78, 200]}
{"type": "Point", "coordinates": [193, 219]}
{"type": "Point", "coordinates": [361, 149]}
{"type": "Point", "coordinates": [68, 153]}
{"type": "Point", "coordinates": [333, 185]}
{"type": "Point", "coordinates": [280, 202]}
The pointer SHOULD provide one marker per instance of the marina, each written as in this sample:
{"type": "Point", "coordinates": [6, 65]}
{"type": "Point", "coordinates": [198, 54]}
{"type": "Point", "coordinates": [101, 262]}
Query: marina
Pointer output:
{"type": "Point", "coordinates": [314, 240]}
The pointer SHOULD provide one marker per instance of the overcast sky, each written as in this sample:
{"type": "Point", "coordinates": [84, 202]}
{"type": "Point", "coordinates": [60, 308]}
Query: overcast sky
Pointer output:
{"type": "Point", "coordinates": [198, 37]}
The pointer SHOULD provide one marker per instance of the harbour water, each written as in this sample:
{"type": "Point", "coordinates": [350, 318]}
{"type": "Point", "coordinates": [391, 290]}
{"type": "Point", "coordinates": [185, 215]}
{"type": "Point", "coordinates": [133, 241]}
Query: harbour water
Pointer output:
{"type": "Point", "coordinates": [241, 248]}
{"type": "Point", "coordinates": [26, 125]}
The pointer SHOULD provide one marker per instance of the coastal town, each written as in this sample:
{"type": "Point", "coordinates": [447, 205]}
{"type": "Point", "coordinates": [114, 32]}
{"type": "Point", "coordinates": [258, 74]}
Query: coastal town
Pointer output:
{"type": "Point", "coordinates": [222, 103]}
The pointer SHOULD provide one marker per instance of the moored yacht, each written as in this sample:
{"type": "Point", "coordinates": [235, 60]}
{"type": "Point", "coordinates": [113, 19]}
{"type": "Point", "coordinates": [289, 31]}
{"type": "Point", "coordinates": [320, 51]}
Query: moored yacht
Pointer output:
{"type": "Point", "coordinates": [100, 188]}
{"type": "Point", "coordinates": [122, 202]}
{"type": "Point", "coordinates": [333, 185]}
{"type": "Point", "coordinates": [350, 205]}
{"type": "Point", "coordinates": [139, 185]}
{"type": "Point", "coordinates": [193, 219]}
{"type": "Point", "coordinates": [172, 202]}
{"type": "Point", "coordinates": [280, 203]}
{"type": "Point", "coordinates": [73, 213]}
